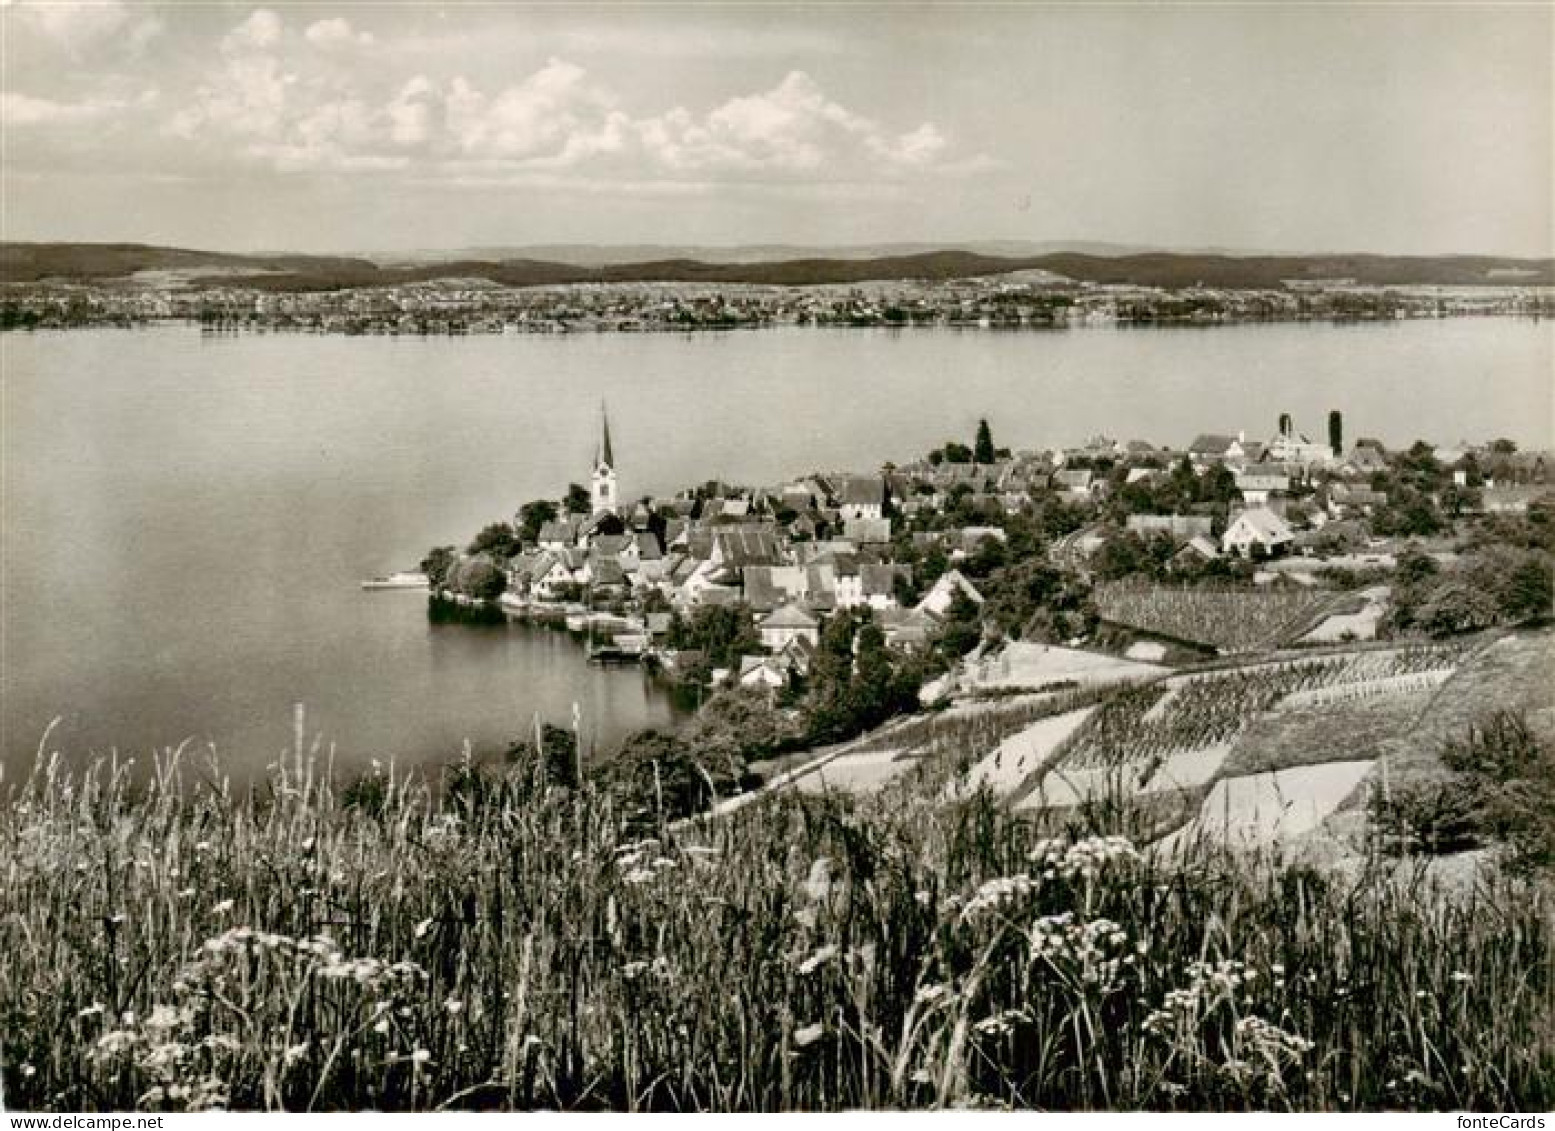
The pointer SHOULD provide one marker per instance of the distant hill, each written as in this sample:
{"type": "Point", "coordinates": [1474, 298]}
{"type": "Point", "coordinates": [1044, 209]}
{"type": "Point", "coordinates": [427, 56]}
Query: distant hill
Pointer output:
{"type": "Point", "coordinates": [29, 262]}
{"type": "Point", "coordinates": [21, 263]}
{"type": "Point", "coordinates": [610, 255]}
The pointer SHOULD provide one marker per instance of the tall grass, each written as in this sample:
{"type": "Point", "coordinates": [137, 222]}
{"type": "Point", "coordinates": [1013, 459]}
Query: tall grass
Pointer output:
{"type": "Point", "coordinates": [490, 944]}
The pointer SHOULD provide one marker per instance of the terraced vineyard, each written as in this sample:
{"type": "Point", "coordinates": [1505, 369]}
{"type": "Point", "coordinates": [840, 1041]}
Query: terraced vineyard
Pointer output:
{"type": "Point", "coordinates": [1228, 620]}
{"type": "Point", "coordinates": [1197, 711]}
{"type": "Point", "coordinates": [1307, 735]}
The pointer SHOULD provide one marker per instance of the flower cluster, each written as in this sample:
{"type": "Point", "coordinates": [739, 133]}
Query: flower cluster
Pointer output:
{"type": "Point", "coordinates": [1270, 1041]}
{"type": "Point", "coordinates": [1256, 1053]}
{"type": "Point", "coordinates": [997, 893]}
{"type": "Point", "coordinates": [1209, 985]}
{"type": "Point", "coordinates": [1090, 954]}
{"type": "Point", "coordinates": [1087, 858]}
{"type": "Point", "coordinates": [1001, 1024]}
{"type": "Point", "coordinates": [161, 1046]}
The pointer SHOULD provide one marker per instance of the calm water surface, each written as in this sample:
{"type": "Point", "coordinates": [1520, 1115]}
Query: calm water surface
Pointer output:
{"type": "Point", "coordinates": [186, 517]}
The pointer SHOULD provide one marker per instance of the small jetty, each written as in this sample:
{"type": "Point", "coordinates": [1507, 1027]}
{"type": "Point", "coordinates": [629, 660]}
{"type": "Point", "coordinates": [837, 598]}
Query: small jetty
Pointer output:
{"type": "Point", "coordinates": [612, 654]}
{"type": "Point", "coordinates": [405, 579]}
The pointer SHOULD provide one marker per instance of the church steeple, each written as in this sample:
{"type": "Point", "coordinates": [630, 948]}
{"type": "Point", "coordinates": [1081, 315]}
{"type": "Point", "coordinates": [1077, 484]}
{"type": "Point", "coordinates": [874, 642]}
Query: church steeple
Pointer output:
{"type": "Point", "coordinates": [604, 457]}
{"type": "Point", "coordinates": [603, 494]}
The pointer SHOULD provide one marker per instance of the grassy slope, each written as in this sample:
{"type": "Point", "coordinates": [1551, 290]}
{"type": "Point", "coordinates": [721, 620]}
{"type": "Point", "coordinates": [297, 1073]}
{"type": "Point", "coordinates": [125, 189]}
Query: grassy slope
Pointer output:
{"type": "Point", "coordinates": [497, 949]}
{"type": "Point", "coordinates": [1516, 672]}
{"type": "Point", "coordinates": [1336, 732]}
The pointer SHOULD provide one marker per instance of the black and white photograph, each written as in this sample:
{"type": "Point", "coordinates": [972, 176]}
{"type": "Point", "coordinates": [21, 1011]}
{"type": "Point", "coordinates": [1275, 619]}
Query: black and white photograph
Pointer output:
{"type": "Point", "coordinates": [765, 557]}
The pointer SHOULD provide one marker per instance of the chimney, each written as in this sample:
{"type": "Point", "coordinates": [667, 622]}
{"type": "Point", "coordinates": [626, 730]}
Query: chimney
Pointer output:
{"type": "Point", "coordinates": [1241, 436]}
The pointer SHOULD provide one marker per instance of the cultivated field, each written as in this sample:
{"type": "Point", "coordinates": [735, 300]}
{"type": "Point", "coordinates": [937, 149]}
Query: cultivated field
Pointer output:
{"type": "Point", "coordinates": [1228, 620]}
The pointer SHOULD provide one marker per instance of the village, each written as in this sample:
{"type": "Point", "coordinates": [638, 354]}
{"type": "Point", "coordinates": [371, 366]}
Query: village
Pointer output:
{"type": "Point", "coordinates": [1301, 523]}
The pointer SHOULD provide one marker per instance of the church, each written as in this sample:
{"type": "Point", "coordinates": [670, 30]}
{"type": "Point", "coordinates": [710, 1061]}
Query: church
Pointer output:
{"type": "Point", "coordinates": [606, 516]}
{"type": "Point", "coordinates": [604, 491]}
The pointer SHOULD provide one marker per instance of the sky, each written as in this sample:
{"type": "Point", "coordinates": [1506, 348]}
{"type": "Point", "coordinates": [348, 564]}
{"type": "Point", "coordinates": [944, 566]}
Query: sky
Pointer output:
{"type": "Point", "coordinates": [379, 128]}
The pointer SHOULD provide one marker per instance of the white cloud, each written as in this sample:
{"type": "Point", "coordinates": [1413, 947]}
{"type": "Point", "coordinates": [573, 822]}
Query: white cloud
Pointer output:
{"type": "Point", "coordinates": [24, 110]}
{"type": "Point", "coordinates": [260, 31]}
{"type": "Point", "coordinates": [410, 113]}
{"type": "Point", "coordinates": [335, 34]}
{"type": "Point", "coordinates": [309, 110]}
{"type": "Point", "coordinates": [80, 26]}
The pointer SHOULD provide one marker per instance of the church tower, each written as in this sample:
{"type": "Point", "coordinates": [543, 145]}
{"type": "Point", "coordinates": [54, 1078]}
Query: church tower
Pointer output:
{"type": "Point", "coordinates": [604, 480]}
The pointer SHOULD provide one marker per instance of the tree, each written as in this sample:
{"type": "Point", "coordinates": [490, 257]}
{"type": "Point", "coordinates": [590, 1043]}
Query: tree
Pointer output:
{"type": "Point", "coordinates": [1336, 433]}
{"type": "Point", "coordinates": [1415, 566]}
{"type": "Point", "coordinates": [957, 453]}
{"type": "Point", "coordinates": [578, 500]}
{"type": "Point", "coordinates": [479, 578]}
{"type": "Point", "coordinates": [498, 539]}
{"type": "Point", "coordinates": [723, 632]}
{"type": "Point", "coordinates": [1409, 512]}
{"type": "Point", "coordinates": [1038, 601]}
{"type": "Point", "coordinates": [988, 556]}
{"type": "Point", "coordinates": [983, 449]}
{"type": "Point", "coordinates": [555, 762]}
{"type": "Point", "coordinates": [436, 565]}
{"type": "Point", "coordinates": [933, 565]}
{"type": "Point", "coordinates": [831, 671]}
{"type": "Point", "coordinates": [532, 516]}
{"type": "Point", "coordinates": [660, 777]}
{"type": "Point", "coordinates": [1218, 486]}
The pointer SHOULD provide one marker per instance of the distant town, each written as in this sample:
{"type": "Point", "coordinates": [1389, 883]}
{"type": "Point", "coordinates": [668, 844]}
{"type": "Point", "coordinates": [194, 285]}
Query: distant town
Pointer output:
{"type": "Point", "coordinates": [1020, 300]}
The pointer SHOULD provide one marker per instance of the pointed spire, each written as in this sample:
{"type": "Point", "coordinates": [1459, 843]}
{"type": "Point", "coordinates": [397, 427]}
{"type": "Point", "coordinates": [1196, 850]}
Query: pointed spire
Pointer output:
{"type": "Point", "coordinates": [606, 456]}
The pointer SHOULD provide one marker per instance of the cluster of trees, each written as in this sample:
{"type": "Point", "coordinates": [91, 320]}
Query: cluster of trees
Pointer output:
{"type": "Point", "coordinates": [722, 633]}
{"type": "Point", "coordinates": [1490, 585]}
{"type": "Point", "coordinates": [659, 777]}
{"type": "Point", "coordinates": [982, 449]}
{"type": "Point", "coordinates": [1180, 491]}
{"type": "Point", "coordinates": [1031, 599]}
{"type": "Point", "coordinates": [476, 576]}
{"type": "Point", "coordinates": [1423, 496]}
{"type": "Point", "coordinates": [1157, 557]}
{"type": "Point", "coordinates": [855, 681]}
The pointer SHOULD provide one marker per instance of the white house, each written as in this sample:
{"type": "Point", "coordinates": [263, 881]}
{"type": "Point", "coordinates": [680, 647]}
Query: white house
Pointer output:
{"type": "Point", "coordinates": [1258, 487]}
{"type": "Point", "coordinates": [937, 601]}
{"type": "Point", "coordinates": [861, 497]}
{"type": "Point", "coordinates": [787, 624]}
{"type": "Point", "coordinates": [1260, 527]}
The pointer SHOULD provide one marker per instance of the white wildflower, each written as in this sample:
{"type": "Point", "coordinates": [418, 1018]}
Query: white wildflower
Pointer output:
{"type": "Point", "coordinates": [809, 1034]}
{"type": "Point", "coordinates": [928, 995]}
{"type": "Point", "coordinates": [996, 892]}
{"type": "Point", "coordinates": [818, 959]}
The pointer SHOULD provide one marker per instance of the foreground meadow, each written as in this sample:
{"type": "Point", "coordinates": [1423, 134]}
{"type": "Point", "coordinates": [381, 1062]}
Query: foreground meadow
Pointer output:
{"type": "Point", "coordinates": [493, 943]}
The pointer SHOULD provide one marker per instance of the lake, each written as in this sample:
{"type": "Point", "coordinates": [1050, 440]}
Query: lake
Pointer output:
{"type": "Point", "coordinates": [187, 516]}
